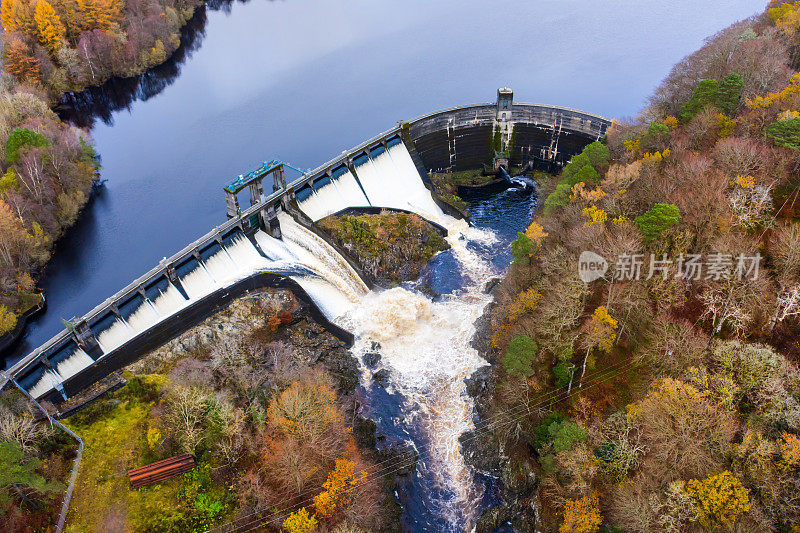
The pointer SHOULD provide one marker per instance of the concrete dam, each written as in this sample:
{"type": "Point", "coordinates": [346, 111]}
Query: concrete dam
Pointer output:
{"type": "Point", "coordinates": [273, 241]}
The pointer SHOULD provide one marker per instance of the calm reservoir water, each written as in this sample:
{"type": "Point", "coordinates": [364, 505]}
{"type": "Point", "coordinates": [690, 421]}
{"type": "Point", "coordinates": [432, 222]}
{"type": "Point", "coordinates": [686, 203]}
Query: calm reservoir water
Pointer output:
{"type": "Point", "coordinates": [302, 80]}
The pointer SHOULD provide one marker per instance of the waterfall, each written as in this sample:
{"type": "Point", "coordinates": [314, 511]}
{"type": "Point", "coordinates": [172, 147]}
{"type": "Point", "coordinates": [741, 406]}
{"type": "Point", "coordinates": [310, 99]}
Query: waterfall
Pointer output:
{"type": "Point", "coordinates": [351, 192]}
{"type": "Point", "coordinates": [48, 381]}
{"type": "Point", "coordinates": [143, 318]}
{"type": "Point", "coordinates": [197, 283]}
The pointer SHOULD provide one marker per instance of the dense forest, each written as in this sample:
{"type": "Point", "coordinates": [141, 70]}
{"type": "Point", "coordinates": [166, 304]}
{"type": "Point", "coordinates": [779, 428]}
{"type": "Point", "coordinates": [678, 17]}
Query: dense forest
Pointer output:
{"type": "Point", "coordinates": [47, 166]}
{"type": "Point", "coordinates": [664, 394]}
{"type": "Point", "coordinates": [65, 45]}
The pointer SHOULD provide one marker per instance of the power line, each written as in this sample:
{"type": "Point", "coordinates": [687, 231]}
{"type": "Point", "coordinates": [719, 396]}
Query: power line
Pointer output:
{"type": "Point", "coordinates": [396, 464]}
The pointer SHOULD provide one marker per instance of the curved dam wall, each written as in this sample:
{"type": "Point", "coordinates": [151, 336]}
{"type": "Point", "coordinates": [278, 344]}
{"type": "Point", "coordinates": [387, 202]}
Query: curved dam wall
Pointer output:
{"type": "Point", "coordinates": [542, 135]}
{"type": "Point", "coordinates": [387, 171]}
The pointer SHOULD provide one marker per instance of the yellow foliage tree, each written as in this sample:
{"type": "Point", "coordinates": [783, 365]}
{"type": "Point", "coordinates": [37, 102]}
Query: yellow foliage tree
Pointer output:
{"type": "Point", "coordinates": [300, 521]}
{"type": "Point", "coordinates": [51, 29]}
{"type": "Point", "coordinates": [595, 215]}
{"type": "Point", "coordinates": [7, 319]}
{"type": "Point", "coordinates": [721, 498]}
{"type": "Point", "coordinates": [338, 487]}
{"type": "Point", "coordinates": [99, 14]}
{"type": "Point", "coordinates": [790, 450]}
{"type": "Point", "coordinates": [582, 516]}
{"type": "Point", "coordinates": [525, 302]}
{"type": "Point", "coordinates": [603, 328]}
{"type": "Point", "coordinates": [536, 233]}
{"type": "Point", "coordinates": [6, 15]}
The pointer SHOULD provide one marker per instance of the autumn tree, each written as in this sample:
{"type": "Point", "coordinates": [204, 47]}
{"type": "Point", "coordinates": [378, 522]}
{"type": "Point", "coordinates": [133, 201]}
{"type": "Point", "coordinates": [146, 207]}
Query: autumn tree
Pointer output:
{"type": "Point", "coordinates": [720, 498]}
{"type": "Point", "coordinates": [51, 29]}
{"type": "Point", "coordinates": [6, 15]}
{"type": "Point", "coordinates": [337, 493]}
{"type": "Point", "coordinates": [8, 320]}
{"type": "Point", "coordinates": [582, 516]}
{"type": "Point", "coordinates": [601, 332]}
{"type": "Point", "coordinates": [19, 61]}
{"type": "Point", "coordinates": [99, 14]}
{"type": "Point", "coordinates": [300, 521]}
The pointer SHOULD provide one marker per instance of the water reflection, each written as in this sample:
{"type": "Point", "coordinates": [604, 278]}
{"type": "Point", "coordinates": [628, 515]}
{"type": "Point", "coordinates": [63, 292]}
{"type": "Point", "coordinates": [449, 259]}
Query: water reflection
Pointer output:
{"type": "Point", "coordinates": [102, 102]}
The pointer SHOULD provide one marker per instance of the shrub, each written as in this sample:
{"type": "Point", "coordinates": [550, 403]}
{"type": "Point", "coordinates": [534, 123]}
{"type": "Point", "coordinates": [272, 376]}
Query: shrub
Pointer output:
{"type": "Point", "coordinates": [20, 138]}
{"type": "Point", "coordinates": [522, 248]}
{"type": "Point", "coordinates": [558, 198]}
{"type": "Point", "coordinates": [657, 219]}
{"type": "Point", "coordinates": [563, 373]}
{"type": "Point", "coordinates": [565, 434]}
{"type": "Point", "coordinates": [519, 357]}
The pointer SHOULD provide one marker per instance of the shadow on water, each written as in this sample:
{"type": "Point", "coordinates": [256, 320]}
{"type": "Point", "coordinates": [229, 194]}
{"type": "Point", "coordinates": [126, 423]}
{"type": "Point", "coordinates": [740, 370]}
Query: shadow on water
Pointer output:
{"type": "Point", "coordinates": [102, 102]}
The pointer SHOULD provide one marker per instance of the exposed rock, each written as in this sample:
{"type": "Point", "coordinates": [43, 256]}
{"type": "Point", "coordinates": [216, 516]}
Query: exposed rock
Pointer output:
{"type": "Point", "coordinates": [371, 359]}
{"type": "Point", "coordinates": [381, 377]}
{"type": "Point", "coordinates": [491, 284]}
{"type": "Point", "coordinates": [482, 450]}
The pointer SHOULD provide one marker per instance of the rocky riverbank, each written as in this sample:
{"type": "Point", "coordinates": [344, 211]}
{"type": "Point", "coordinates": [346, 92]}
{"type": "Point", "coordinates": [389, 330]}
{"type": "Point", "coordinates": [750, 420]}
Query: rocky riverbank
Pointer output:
{"type": "Point", "coordinates": [486, 453]}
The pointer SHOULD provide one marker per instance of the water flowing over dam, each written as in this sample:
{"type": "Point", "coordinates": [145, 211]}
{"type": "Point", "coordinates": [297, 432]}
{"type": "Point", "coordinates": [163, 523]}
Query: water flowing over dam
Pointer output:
{"type": "Point", "coordinates": [423, 341]}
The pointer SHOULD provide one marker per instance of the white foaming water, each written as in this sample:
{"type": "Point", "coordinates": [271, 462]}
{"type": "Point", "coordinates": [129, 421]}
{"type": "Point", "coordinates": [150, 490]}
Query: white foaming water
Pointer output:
{"type": "Point", "coordinates": [74, 364]}
{"type": "Point", "coordinates": [114, 336]}
{"type": "Point", "coordinates": [220, 267]}
{"type": "Point", "coordinates": [197, 283]}
{"type": "Point", "coordinates": [340, 193]}
{"type": "Point", "coordinates": [351, 193]}
{"type": "Point", "coordinates": [169, 301]}
{"type": "Point", "coordinates": [142, 318]}
{"type": "Point", "coordinates": [426, 345]}
{"type": "Point", "coordinates": [48, 381]}
{"type": "Point", "coordinates": [311, 251]}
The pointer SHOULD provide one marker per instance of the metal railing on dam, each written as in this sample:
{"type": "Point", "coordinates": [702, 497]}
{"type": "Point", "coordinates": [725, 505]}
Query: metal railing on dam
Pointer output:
{"type": "Point", "coordinates": [459, 137]}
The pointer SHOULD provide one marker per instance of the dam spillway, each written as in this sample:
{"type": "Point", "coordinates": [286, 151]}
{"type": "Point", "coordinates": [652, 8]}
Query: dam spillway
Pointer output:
{"type": "Point", "coordinates": [389, 170]}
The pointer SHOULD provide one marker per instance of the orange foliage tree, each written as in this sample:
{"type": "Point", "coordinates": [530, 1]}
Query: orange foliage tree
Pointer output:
{"type": "Point", "coordinates": [20, 62]}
